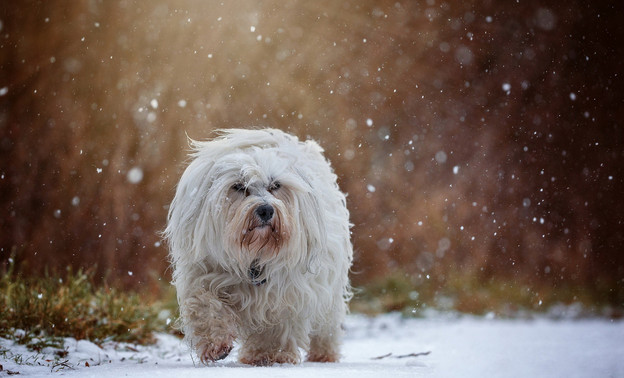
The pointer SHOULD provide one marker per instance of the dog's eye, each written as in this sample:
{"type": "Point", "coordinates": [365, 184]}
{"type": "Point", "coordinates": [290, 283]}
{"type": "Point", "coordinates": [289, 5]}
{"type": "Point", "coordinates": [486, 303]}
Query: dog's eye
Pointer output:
{"type": "Point", "coordinates": [239, 187]}
{"type": "Point", "coordinates": [274, 186]}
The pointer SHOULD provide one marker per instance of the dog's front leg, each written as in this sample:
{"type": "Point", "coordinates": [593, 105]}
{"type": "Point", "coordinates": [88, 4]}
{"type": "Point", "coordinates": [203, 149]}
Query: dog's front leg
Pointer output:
{"type": "Point", "coordinates": [209, 325]}
{"type": "Point", "coordinates": [325, 340]}
{"type": "Point", "coordinates": [275, 344]}
{"type": "Point", "coordinates": [324, 346]}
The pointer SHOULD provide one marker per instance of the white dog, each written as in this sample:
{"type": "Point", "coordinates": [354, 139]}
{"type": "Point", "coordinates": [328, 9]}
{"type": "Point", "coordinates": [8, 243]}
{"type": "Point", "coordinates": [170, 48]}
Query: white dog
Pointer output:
{"type": "Point", "coordinates": [259, 242]}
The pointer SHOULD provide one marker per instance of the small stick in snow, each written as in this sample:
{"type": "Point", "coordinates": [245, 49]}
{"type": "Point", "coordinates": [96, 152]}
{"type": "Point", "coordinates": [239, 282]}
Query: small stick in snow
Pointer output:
{"type": "Point", "coordinates": [415, 354]}
{"type": "Point", "coordinates": [381, 357]}
{"type": "Point", "coordinates": [402, 356]}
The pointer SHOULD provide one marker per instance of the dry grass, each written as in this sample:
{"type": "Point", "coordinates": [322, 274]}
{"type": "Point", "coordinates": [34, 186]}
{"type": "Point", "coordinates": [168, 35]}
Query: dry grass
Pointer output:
{"type": "Point", "coordinates": [413, 295]}
{"type": "Point", "coordinates": [39, 312]}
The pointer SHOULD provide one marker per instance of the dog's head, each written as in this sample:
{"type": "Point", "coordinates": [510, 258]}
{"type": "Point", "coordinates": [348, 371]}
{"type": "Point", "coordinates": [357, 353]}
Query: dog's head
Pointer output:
{"type": "Point", "coordinates": [249, 199]}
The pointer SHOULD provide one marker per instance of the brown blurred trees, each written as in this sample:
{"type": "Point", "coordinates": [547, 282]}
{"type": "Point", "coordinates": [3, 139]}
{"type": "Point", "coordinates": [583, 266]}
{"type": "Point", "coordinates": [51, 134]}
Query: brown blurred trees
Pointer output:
{"type": "Point", "coordinates": [481, 138]}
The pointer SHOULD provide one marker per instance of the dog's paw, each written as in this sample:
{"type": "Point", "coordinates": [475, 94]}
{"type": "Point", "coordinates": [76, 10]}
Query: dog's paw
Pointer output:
{"type": "Point", "coordinates": [322, 357]}
{"type": "Point", "coordinates": [268, 359]}
{"type": "Point", "coordinates": [214, 352]}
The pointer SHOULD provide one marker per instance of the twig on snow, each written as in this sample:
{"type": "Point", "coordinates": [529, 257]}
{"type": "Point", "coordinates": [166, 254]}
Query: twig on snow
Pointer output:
{"type": "Point", "coordinates": [402, 355]}
{"type": "Point", "coordinates": [381, 357]}
{"type": "Point", "coordinates": [414, 354]}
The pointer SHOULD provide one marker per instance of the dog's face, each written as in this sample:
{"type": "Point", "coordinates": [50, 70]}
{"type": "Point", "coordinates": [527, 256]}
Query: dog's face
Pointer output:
{"type": "Point", "coordinates": [249, 205]}
{"type": "Point", "coordinates": [257, 217]}
{"type": "Point", "coordinates": [257, 201]}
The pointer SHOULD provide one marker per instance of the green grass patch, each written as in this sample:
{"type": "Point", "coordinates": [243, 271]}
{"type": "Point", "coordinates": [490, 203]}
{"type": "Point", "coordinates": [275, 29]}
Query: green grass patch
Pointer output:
{"type": "Point", "coordinates": [40, 312]}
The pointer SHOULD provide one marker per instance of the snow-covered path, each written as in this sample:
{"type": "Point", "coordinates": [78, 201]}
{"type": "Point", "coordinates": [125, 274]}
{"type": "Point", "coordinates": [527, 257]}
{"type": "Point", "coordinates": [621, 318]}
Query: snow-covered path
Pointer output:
{"type": "Point", "coordinates": [378, 347]}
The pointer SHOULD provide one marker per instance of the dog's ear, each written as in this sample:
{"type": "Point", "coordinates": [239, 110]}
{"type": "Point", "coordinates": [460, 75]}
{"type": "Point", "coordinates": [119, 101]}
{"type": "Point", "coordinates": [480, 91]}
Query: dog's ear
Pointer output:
{"type": "Point", "coordinates": [312, 223]}
{"type": "Point", "coordinates": [314, 207]}
{"type": "Point", "coordinates": [326, 213]}
{"type": "Point", "coordinates": [183, 232]}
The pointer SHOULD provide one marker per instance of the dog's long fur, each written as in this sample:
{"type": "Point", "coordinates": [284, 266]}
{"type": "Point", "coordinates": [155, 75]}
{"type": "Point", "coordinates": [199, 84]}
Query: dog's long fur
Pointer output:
{"type": "Point", "coordinates": [273, 286]}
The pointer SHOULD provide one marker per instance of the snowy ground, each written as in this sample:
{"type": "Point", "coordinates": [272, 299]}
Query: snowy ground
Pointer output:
{"type": "Point", "coordinates": [385, 346]}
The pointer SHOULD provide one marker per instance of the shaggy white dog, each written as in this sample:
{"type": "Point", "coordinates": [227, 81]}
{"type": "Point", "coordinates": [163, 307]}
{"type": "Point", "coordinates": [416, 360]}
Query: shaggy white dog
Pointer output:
{"type": "Point", "coordinates": [259, 243]}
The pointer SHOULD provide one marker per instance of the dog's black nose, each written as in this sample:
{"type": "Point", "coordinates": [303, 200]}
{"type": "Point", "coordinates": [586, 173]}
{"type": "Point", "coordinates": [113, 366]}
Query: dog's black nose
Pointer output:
{"type": "Point", "coordinates": [265, 212]}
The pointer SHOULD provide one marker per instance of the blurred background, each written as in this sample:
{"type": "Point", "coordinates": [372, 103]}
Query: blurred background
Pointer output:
{"type": "Point", "coordinates": [480, 142]}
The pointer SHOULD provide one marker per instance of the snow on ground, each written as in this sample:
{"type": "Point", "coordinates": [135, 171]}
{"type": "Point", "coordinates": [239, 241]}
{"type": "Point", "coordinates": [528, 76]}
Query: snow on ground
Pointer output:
{"type": "Point", "coordinates": [384, 346]}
